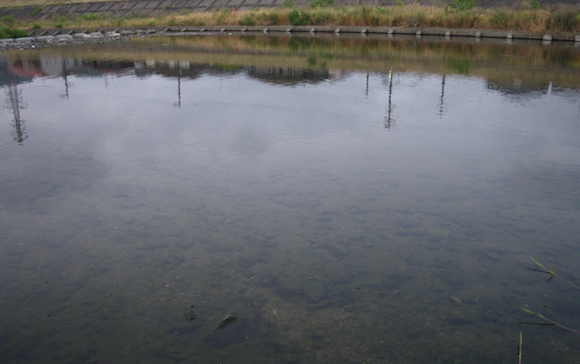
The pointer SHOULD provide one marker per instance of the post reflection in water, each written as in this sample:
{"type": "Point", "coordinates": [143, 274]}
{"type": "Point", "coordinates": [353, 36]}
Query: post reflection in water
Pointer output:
{"type": "Point", "coordinates": [442, 96]}
{"type": "Point", "coordinates": [282, 223]}
{"type": "Point", "coordinates": [65, 79]}
{"type": "Point", "coordinates": [389, 118]}
{"type": "Point", "coordinates": [367, 86]}
{"type": "Point", "coordinates": [178, 103]}
{"type": "Point", "coordinates": [14, 102]}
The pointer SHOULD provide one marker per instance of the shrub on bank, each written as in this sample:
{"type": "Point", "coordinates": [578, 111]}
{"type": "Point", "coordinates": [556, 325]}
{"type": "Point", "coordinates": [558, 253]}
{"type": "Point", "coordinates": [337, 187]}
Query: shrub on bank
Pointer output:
{"type": "Point", "coordinates": [6, 32]}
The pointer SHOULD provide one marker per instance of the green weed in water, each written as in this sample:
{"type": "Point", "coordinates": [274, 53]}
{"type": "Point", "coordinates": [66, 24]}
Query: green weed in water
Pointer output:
{"type": "Point", "coordinates": [520, 351]}
{"type": "Point", "coordinates": [540, 268]}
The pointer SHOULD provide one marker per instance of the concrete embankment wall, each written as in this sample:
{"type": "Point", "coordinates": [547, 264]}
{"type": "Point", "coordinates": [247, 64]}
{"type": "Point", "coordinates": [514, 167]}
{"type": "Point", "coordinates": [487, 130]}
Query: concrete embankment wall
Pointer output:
{"type": "Point", "coordinates": [448, 34]}
{"type": "Point", "coordinates": [158, 7]}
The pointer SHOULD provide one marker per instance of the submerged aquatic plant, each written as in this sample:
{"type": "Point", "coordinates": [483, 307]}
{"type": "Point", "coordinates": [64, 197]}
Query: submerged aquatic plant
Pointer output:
{"type": "Point", "coordinates": [189, 315]}
{"type": "Point", "coordinates": [542, 269]}
{"type": "Point", "coordinates": [539, 267]}
{"type": "Point", "coordinates": [520, 351]}
{"type": "Point", "coordinates": [228, 320]}
{"type": "Point", "coordinates": [551, 323]}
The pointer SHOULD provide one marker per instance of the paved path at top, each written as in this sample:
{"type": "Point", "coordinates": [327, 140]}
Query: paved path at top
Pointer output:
{"type": "Point", "coordinates": [159, 7]}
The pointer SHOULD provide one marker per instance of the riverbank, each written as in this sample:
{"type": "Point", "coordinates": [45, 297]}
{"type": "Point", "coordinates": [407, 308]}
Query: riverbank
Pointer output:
{"type": "Point", "coordinates": [459, 14]}
{"type": "Point", "coordinates": [41, 38]}
{"type": "Point", "coordinates": [44, 36]}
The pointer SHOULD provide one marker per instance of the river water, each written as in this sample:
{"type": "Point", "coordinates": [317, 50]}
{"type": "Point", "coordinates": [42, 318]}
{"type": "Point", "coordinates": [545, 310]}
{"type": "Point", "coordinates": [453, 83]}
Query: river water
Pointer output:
{"type": "Point", "coordinates": [351, 200]}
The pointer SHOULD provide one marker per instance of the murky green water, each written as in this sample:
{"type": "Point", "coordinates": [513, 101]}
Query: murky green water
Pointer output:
{"type": "Point", "coordinates": [351, 200]}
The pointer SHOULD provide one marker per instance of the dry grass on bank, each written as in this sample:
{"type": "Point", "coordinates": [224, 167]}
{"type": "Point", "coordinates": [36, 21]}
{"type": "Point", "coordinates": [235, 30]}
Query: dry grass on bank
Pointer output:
{"type": "Point", "coordinates": [561, 19]}
{"type": "Point", "coordinates": [8, 3]}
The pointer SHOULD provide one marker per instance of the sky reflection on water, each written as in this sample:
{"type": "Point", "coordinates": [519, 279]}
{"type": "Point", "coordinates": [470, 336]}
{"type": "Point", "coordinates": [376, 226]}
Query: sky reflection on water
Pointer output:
{"type": "Point", "coordinates": [380, 215]}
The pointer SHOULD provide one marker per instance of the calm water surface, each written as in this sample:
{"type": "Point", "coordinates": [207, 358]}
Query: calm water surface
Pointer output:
{"type": "Point", "coordinates": [351, 200]}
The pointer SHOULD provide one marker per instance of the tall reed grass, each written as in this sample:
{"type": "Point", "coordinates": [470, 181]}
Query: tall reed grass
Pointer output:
{"type": "Point", "coordinates": [561, 19]}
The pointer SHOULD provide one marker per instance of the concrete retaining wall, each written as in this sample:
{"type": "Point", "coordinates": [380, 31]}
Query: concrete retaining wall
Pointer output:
{"type": "Point", "coordinates": [448, 34]}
